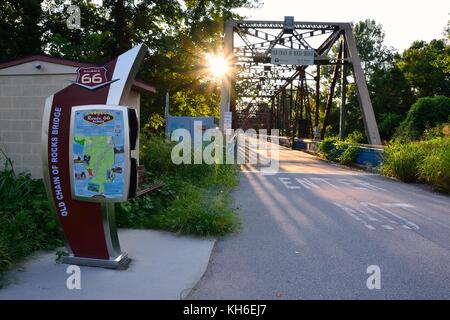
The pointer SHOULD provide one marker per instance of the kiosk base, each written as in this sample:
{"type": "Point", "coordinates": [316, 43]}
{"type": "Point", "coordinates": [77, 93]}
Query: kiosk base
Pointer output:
{"type": "Point", "coordinates": [121, 262]}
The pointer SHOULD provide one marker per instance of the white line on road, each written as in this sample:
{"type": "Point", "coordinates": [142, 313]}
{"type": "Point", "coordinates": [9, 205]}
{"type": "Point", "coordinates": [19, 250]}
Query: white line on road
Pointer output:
{"type": "Point", "coordinates": [410, 209]}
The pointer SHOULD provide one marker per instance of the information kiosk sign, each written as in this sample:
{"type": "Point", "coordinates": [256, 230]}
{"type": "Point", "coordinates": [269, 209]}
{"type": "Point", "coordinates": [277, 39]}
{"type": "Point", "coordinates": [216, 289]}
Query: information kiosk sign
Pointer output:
{"type": "Point", "coordinates": [99, 152]}
{"type": "Point", "coordinates": [87, 138]}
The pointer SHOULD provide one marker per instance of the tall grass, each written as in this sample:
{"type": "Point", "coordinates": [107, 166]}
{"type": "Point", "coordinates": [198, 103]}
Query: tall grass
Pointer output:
{"type": "Point", "coordinates": [194, 200]}
{"type": "Point", "coordinates": [26, 222]}
{"type": "Point", "coordinates": [402, 161]}
{"type": "Point", "coordinates": [425, 161]}
{"type": "Point", "coordinates": [435, 167]}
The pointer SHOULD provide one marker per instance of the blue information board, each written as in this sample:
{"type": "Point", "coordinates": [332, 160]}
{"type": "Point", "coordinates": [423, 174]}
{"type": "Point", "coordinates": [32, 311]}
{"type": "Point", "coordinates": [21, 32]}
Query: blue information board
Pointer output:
{"type": "Point", "coordinates": [99, 153]}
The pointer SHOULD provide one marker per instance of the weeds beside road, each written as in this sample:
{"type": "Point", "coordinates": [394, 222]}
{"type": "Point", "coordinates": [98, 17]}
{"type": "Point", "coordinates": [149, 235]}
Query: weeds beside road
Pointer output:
{"type": "Point", "coordinates": [194, 200]}
{"type": "Point", "coordinates": [426, 161]}
{"type": "Point", "coordinates": [423, 161]}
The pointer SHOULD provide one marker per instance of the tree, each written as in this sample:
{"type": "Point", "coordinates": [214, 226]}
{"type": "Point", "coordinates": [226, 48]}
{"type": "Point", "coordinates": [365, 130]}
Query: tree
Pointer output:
{"type": "Point", "coordinates": [86, 44]}
{"type": "Point", "coordinates": [427, 67]}
{"type": "Point", "coordinates": [389, 90]}
{"type": "Point", "coordinates": [20, 32]}
{"type": "Point", "coordinates": [374, 55]}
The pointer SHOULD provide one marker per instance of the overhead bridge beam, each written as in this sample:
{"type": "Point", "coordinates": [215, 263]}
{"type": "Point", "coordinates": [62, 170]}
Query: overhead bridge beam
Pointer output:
{"type": "Point", "coordinates": [272, 82]}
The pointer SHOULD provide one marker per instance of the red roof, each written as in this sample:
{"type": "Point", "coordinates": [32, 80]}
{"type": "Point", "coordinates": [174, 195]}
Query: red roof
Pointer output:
{"type": "Point", "coordinates": [137, 85]}
{"type": "Point", "coordinates": [45, 58]}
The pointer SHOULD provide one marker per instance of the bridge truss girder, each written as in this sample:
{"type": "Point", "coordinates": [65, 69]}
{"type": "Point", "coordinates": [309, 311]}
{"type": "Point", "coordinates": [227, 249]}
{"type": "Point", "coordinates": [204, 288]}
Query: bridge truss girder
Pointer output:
{"type": "Point", "coordinates": [277, 96]}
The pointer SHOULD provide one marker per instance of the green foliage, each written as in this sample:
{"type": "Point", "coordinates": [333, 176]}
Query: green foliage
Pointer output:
{"type": "Point", "coordinates": [426, 161]}
{"type": "Point", "coordinates": [356, 137]}
{"type": "Point", "coordinates": [327, 148]}
{"type": "Point", "coordinates": [189, 103]}
{"type": "Point", "coordinates": [349, 154]}
{"type": "Point", "coordinates": [435, 167]}
{"type": "Point", "coordinates": [425, 113]}
{"type": "Point", "coordinates": [402, 161]}
{"type": "Point", "coordinates": [27, 223]}
{"type": "Point", "coordinates": [390, 90]}
{"type": "Point", "coordinates": [427, 67]}
{"type": "Point", "coordinates": [369, 36]}
{"type": "Point", "coordinates": [155, 122]}
{"type": "Point", "coordinates": [194, 200]}
{"type": "Point", "coordinates": [388, 123]}
{"type": "Point", "coordinates": [440, 131]}
{"type": "Point", "coordinates": [344, 152]}
{"type": "Point", "coordinates": [20, 32]}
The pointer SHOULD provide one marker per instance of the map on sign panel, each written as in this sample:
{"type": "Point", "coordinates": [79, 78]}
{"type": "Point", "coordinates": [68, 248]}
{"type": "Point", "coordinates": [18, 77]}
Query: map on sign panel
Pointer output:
{"type": "Point", "coordinates": [99, 153]}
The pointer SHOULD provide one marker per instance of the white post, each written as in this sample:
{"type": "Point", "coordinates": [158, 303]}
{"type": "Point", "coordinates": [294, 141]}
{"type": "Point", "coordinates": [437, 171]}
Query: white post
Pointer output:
{"type": "Point", "coordinates": [226, 80]}
{"type": "Point", "coordinates": [166, 116]}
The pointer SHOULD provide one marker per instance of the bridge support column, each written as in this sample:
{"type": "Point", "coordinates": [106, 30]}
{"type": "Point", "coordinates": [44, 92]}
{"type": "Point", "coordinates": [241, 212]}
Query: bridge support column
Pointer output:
{"type": "Point", "coordinates": [343, 110]}
{"type": "Point", "coordinates": [369, 119]}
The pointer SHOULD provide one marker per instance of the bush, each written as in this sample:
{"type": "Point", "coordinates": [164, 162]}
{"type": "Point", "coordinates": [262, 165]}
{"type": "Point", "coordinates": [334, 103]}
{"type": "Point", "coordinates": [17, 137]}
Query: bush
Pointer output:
{"type": "Point", "coordinates": [388, 123]}
{"type": "Point", "coordinates": [440, 131]}
{"type": "Point", "coordinates": [425, 113]}
{"type": "Point", "coordinates": [435, 167]}
{"type": "Point", "coordinates": [356, 137]}
{"type": "Point", "coordinates": [344, 152]}
{"type": "Point", "coordinates": [27, 223]}
{"type": "Point", "coordinates": [349, 154]}
{"type": "Point", "coordinates": [194, 200]}
{"type": "Point", "coordinates": [327, 148]}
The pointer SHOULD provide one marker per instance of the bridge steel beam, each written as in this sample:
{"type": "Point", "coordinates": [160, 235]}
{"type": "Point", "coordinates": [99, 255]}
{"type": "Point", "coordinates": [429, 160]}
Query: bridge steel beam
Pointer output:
{"type": "Point", "coordinates": [253, 59]}
{"type": "Point", "coordinates": [331, 94]}
{"type": "Point", "coordinates": [370, 122]}
{"type": "Point", "coordinates": [342, 110]}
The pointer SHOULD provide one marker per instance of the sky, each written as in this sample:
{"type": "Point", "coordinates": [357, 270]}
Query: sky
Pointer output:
{"type": "Point", "coordinates": [403, 21]}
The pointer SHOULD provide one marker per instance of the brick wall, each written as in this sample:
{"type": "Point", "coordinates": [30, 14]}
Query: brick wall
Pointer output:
{"type": "Point", "coordinates": [22, 99]}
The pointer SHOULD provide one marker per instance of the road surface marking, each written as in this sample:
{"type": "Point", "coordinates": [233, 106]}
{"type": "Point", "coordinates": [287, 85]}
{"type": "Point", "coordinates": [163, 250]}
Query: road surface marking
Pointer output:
{"type": "Point", "coordinates": [325, 180]}
{"type": "Point", "coordinates": [367, 205]}
{"type": "Point", "coordinates": [360, 214]}
{"type": "Point", "coordinates": [410, 208]}
{"type": "Point", "coordinates": [307, 184]}
{"type": "Point", "coordinates": [287, 183]}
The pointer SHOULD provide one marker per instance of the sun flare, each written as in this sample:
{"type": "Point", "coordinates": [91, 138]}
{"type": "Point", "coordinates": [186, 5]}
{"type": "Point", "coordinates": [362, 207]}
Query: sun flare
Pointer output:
{"type": "Point", "coordinates": [217, 65]}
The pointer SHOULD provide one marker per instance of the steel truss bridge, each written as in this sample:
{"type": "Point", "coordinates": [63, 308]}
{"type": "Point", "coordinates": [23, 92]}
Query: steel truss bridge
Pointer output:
{"type": "Point", "coordinates": [287, 97]}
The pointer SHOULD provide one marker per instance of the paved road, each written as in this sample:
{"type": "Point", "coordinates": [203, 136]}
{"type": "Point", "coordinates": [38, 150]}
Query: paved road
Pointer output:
{"type": "Point", "coordinates": [312, 230]}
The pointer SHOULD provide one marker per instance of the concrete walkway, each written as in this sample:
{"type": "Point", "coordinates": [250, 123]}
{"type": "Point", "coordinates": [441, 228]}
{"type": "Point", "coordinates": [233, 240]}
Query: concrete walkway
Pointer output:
{"type": "Point", "coordinates": [164, 266]}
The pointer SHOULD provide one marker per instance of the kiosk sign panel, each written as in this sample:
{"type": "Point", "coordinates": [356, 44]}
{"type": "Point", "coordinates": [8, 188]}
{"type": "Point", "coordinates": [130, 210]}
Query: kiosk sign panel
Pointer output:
{"type": "Point", "coordinates": [87, 142]}
{"type": "Point", "coordinates": [99, 153]}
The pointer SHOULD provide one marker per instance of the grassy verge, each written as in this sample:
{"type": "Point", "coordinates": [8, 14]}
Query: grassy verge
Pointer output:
{"type": "Point", "coordinates": [26, 222]}
{"type": "Point", "coordinates": [425, 161]}
{"type": "Point", "coordinates": [195, 199]}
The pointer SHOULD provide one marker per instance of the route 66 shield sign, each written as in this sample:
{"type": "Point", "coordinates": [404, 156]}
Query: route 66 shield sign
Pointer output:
{"type": "Point", "coordinates": [92, 77]}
